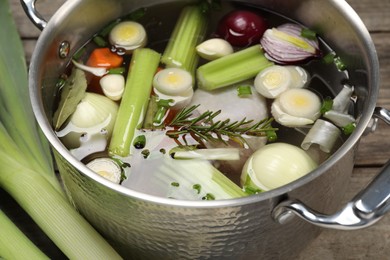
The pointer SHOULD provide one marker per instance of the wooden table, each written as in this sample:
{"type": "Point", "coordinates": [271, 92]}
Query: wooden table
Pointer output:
{"type": "Point", "coordinates": [369, 243]}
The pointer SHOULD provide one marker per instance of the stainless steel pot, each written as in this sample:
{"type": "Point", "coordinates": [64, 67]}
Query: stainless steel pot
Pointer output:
{"type": "Point", "coordinates": [261, 226]}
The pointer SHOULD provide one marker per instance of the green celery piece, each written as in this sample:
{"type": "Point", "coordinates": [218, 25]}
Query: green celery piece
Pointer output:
{"type": "Point", "coordinates": [189, 31]}
{"type": "Point", "coordinates": [143, 66]}
{"type": "Point", "coordinates": [71, 95]}
{"type": "Point", "coordinates": [233, 68]}
{"type": "Point", "coordinates": [14, 244]}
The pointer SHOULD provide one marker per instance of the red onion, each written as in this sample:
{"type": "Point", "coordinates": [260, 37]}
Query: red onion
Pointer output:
{"type": "Point", "coordinates": [242, 28]}
{"type": "Point", "coordinates": [285, 45]}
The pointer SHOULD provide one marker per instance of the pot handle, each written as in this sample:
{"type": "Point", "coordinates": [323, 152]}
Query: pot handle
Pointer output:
{"type": "Point", "coordinates": [363, 210]}
{"type": "Point", "coordinates": [35, 17]}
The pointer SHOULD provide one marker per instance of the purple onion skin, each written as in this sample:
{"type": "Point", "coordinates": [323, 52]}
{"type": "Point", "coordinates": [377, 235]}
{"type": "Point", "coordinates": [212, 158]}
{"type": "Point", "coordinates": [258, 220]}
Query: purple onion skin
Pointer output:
{"type": "Point", "coordinates": [242, 28]}
{"type": "Point", "coordinates": [283, 53]}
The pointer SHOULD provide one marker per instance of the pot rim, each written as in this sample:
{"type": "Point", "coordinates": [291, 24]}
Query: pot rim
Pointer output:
{"type": "Point", "coordinates": [373, 80]}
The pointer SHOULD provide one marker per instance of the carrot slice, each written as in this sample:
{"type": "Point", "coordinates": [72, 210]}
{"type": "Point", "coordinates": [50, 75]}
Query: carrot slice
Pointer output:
{"type": "Point", "coordinates": [104, 57]}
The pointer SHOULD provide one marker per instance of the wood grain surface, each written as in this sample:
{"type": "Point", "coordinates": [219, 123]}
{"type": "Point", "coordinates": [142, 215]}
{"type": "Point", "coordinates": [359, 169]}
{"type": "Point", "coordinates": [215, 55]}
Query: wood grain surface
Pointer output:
{"type": "Point", "coordinates": [369, 243]}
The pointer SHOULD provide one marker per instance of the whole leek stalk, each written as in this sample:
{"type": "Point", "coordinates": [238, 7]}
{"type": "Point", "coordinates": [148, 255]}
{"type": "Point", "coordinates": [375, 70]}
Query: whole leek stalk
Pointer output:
{"type": "Point", "coordinates": [12, 239]}
{"type": "Point", "coordinates": [26, 171]}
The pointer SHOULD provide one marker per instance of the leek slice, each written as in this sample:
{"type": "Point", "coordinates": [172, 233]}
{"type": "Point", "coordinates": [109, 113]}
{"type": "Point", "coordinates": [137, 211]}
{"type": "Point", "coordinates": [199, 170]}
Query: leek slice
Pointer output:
{"type": "Point", "coordinates": [323, 133]}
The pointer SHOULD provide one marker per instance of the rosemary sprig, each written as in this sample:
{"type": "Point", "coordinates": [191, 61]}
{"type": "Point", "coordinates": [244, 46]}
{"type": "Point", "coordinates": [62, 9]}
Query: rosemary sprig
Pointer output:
{"type": "Point", "coordinates": [203, 127]}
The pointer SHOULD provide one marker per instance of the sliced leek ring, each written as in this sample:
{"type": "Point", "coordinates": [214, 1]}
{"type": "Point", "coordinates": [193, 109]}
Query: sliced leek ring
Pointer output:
{"type": "Point", "coordinates": [301, 103]}
{"type": "Point", "coordinates": [296, 107]}
{"type": "Point", "coordinates": [128, 35]}
{"type": "Point", "coordinates": [107, 168]}
{"type": "Point", "coordinates": [273, 81]}
{"type": "Point", "coordinates": [173, 81]}
{"type": "Point", "coordinates": [299, 76]}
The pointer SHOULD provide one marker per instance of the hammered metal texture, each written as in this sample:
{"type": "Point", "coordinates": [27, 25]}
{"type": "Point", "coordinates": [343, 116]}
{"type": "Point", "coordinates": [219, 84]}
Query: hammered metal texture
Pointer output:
{"type": "Point", "coordinates": [145, 230]}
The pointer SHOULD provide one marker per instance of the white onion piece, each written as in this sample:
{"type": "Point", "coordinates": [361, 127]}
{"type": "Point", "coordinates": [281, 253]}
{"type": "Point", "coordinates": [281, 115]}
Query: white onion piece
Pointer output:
{"type": "Point", "coordinates": [97, 71]}
{"type": "Point", "coordinates": [94, 115]}
{"type": "Point", "coordinates": [338, 118]}
{"type": "Point", "coordinates": [285, 44]}
{"type": "Point", "coordinates": [107, 168]}
{"type": "Point", "coordinates": [323, 133]}
{"type": "Point", "coordinates": [272, 81]}
{"type": "Point", "coordinates": [275, 165]}
{"type": "Point", "coordinates": [214, 48]}
{"type": "Point", "coordinates": [343, 99]}
{"type": "Point", "coordinates": [128, 35]}
{"type": "Point", "coordinates": [113, 86]}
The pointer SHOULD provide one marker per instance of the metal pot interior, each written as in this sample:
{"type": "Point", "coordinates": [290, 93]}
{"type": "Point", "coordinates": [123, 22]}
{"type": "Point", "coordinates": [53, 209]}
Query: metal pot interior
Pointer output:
{"type": "Point", "coordinates": [334, 20]}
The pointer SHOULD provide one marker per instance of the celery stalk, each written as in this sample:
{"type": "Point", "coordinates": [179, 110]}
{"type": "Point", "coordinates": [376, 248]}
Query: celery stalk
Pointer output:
{"type": "Point", "coordinates": [135, 100]}
{"type": "Point", "coordinates": [232, 68]}
{"type": "Point", "coordinates": [53, 214]}
{"type": "Point", "coordinates": [14, 244]}
{"type": "Point", "coordinates": [189, 31]}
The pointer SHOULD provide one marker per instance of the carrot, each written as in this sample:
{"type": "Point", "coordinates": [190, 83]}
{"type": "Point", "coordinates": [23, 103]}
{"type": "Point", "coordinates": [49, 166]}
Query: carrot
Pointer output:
{"type": "Point", "coordinates": [104, 57]}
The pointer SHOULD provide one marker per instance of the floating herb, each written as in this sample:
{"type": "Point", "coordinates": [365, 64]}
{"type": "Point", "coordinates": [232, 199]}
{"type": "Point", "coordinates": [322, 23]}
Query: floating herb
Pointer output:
{"type": "Point", "coordinates": [204, 128]}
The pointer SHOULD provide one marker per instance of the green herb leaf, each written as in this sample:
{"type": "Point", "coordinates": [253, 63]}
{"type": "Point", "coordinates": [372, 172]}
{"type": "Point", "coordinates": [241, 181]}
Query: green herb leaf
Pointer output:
{"type": "Point", "coordinates": [71, 95]}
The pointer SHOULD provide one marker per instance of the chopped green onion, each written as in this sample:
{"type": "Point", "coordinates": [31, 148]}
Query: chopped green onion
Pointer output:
{"type": "Point", "coordinates": [145, 153]}
{"type": "Point", "coordinates": [233, 68]}
{"type": "Point", "coordinates": [208, 196]}
{"type": "Point", "coordinates": [136, 15]}
{"type": "Point", "coordinates": [189, 31]}
{"type": "Point", "coordinates": [135, 100]}
{"type": "Point", "coordinates": [107, 29]}
{"type": "Point", "coordinates": [329, 58]}
{"type": "Point", "coordinates": [348, 129]}
{"type": "Point", "coordinates": [162, 108]}
{"type": "Point", "coordinates": [119, 70]}
{"type": "Point", "coordinates": [340, 64]}
{"type": "Point", "coordinates": [308, 34]}
{"type": "Point", "coordinates": [244, 90]}
{"type": "Point", "coordinates": [100, 41]}
{"type": "Point", "coordinates": [271, 135]}
{"type": "Point", "coordinates": [79, 53]}
{"type": "Point", "coordinates": [327, 105]}
{"type": "Point", "coordinates": [139, 142]}
{"type": "Point", "coordinates": [175, 184]}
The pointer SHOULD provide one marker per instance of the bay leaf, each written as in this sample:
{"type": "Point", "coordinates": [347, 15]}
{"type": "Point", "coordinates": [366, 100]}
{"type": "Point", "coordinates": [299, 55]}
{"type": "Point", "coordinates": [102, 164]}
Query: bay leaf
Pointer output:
{"type": "Point", "coordinates": [71, 95]}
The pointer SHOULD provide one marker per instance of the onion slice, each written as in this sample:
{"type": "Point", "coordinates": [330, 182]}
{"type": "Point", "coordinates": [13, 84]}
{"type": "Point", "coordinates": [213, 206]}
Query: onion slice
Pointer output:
{"type": "Point", "coordinates": [285, 44]}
